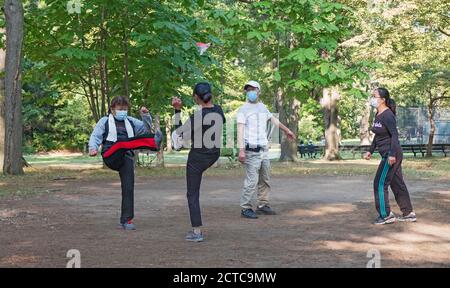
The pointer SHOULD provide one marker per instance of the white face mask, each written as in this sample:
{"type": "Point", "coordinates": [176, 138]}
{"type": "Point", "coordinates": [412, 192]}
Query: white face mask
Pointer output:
{"type": "Point", "coordinates": [374, 102]}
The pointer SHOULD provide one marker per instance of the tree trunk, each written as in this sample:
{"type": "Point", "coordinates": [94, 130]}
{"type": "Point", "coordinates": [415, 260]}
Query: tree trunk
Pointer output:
{"type": "Point", "coordinates": [125, 66]}
{"type": "Point", "coordinates": [331, 121]}
{"type": "Point", "coordinates": [13, 88]}
{"type": "Point", "coordinates": [289, 115]}
{"type": "Point", "coordinates": [2, 107]}
{"type": "Point", "coordinates": [160, 153]}
{"type": "Point", "coordinates": [90, 88]}
{"type": "Point", "coordinates": [104, 67]}
{"type": "Point", "coordinates": [432, 127]}
{"type": "Point", "coordinates": [169, 134]}
{"type": "Point", "coordinates": [364, 126]}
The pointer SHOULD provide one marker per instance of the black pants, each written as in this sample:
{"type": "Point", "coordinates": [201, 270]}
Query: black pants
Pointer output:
{"type": "Point", "coordinates": [124, 164]}
{"type": "Point", "coordinates": [391, 176]}
{"type": "Point", "coordinates": [197, 164]}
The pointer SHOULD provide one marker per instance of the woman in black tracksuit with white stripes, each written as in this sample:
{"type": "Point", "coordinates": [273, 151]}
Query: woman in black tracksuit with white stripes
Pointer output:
{"type": "Point", "coordinates": [390, 170]}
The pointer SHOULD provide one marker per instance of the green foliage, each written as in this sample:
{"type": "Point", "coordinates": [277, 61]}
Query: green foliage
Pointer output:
{"type": "Point", "coordinates": [72, 124]}
{"type": "Point", "coordinates": [311, 122]}
{"type": "Point", "coordinates": [298, 46]}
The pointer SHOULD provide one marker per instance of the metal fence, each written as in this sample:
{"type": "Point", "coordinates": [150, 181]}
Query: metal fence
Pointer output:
{"type": "Point", "coordinates": [414, 127]}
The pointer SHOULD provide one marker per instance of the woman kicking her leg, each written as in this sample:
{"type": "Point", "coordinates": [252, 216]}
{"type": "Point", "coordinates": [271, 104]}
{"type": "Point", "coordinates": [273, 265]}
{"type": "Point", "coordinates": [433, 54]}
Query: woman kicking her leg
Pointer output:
{"type": "Point", "coordinates": [204, 129]}
{"type": "Point", "coordinates": [119, 134]}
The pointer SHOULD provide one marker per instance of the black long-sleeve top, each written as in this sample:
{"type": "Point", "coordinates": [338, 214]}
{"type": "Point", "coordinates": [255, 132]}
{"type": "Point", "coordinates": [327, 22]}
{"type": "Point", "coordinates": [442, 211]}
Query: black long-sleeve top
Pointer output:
{"type": "Point", "coordinates": [386, 135]}
{"type": "Point", "coordinates": [207, 121]}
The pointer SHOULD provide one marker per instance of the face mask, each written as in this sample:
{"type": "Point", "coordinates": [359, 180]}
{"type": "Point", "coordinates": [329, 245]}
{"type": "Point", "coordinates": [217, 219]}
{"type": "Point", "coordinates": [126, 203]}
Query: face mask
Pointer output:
{"type": "Point", "coordinates": [374, 102]}
{"type": "Point", "coordinates": [252, 96]}
{"type": "Point", "coordinates": [121, 114]}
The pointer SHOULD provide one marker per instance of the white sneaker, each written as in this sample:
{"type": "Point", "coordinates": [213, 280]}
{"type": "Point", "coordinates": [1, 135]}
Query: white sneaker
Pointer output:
{"type": "Point", "coordinates": [411, 217]}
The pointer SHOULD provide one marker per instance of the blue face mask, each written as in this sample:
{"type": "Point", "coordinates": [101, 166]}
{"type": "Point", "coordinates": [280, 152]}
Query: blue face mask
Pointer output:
{"type": "Point", "coordinates": [121, 114]}
{"type": "Point", "coordinates": [252, 96]}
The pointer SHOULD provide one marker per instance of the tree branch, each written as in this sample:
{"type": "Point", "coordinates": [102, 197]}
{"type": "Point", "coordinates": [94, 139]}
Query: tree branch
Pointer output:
{"type": "Point", "coordinates": [443, 32]}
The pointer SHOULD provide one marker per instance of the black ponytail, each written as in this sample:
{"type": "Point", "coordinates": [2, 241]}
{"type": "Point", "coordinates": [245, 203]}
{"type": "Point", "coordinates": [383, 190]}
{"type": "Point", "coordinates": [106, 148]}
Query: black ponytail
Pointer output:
{"type": "Point", "coordinates": [390, 103]}
{"type": "Point", "coordinates": [203, 91]}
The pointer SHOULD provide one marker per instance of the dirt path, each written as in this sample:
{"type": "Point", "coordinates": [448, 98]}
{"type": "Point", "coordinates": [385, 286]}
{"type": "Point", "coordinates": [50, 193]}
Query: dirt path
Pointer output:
{"type": "Point", "coordinates": [322, 222]}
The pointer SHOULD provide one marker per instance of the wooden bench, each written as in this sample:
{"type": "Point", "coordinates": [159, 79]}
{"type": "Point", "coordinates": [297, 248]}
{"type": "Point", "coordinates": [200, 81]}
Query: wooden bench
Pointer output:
{"type": "Point", "coordinates": [422, 148]}
{"type": "Point", "coordinates": [308, 150]}
{"type": "Point", "coordinates": [407, 148]}
{"type": "Point", "coordinates": [413, 148]}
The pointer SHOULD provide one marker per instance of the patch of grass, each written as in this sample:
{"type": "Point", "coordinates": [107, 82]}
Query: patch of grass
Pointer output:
{"type": "Point", "coordinates": [40, 179]}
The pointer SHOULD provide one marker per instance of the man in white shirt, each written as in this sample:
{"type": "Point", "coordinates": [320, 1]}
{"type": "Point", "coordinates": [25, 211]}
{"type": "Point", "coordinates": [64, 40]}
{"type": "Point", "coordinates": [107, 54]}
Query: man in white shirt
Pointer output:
{"type": "Point", "coordinates": [252, 120]}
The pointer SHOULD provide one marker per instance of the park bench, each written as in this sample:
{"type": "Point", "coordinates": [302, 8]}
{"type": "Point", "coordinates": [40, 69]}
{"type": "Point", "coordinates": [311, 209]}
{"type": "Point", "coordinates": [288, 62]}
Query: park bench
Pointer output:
{"type": "Point", "coordinates": [309, 150]}
{"type": "Point", "coordinates": [145, 158]}
{"type": "Point", "coordinates": [439, 148]}
{"type": "Point", "coordinates": [407, 148]}
{"type": "Point", "coordinates": [422, 148]}
{"type": "Point", "coordinates": [312, 151]}
{"type": "Point", "coordinates": [413, 148]}
{"type": "Point", "coordinates": [354, 149]}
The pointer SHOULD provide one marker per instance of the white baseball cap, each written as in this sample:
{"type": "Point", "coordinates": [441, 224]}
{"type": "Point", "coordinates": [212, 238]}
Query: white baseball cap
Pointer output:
{"type": "Point", "coordinates": [252, 84]}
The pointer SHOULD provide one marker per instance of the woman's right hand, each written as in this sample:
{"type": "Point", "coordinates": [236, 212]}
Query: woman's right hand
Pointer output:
{"type": "Point", "coordinates": [368, 156]}
{"type": "Point", "coordinates": [93, 152]}
{"type": "Point", "coordinates": [177, 103]}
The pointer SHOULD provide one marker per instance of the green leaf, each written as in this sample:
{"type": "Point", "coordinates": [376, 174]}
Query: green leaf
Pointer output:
{"type": "Point", "coordinates": [277, 76]}
{"type": "Point", "coordinates": [310, 53]}
{"type": "Point", "coordinates": [254, 34]}
{"type": "Point", "coordinates": [186, 46]}
{"type": "Point", "coordinates": [324, 68]}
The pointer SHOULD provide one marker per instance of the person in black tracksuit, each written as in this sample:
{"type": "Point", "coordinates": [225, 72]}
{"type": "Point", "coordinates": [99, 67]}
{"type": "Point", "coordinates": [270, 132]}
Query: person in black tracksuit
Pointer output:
{"type": "Point", "coordinates": [204, 129]}
{"type": "Point", "coordinates": [390, 170]}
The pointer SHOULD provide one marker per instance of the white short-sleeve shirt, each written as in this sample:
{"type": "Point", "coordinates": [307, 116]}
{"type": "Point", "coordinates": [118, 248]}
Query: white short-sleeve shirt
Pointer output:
{"type": "Point", "coordinates": [255, 117]}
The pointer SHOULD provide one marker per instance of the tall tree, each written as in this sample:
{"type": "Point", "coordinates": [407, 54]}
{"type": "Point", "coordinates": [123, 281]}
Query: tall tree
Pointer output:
{"type": "Point", "coordinates": [291, 37]}
{"type": "Point", "coordinates": [410, 39]}
{"type": "Point", "coordinates": [13, 163]}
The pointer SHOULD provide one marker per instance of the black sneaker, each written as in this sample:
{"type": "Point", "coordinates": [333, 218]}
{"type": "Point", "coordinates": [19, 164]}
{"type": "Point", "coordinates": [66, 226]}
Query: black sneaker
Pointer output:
{"type": "Point", "coordinates": [411, 217]}
{"type": "Point", "coordinates": [249, 213]}
{"type": "Point", "coordinates": [387, 220]}
{"type": "Point", "coordinates": [265, 210]}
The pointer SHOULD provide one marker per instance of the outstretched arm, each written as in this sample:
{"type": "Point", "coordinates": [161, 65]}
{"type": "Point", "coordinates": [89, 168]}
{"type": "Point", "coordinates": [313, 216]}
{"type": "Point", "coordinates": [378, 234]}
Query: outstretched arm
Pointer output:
{"type": "Point", "coordinates": [144, 126]}
{"type": "Point", "coordinates": [286, 130]}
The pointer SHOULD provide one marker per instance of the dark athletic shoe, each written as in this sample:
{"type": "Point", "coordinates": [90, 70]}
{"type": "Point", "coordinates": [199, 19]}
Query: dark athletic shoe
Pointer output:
{"type": "Point", "coordinates": [265, 210]}
{"type": "Point", "coordinates": [249, 213]}
{"type": "Point", "coordinates": [192, 237]}
{"type": "Point", "coordinates": [411, 217]}
{"type": "Point", "coordinates": [388, 220]}
{"type": "Point", "coordinates": [127, 226]}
